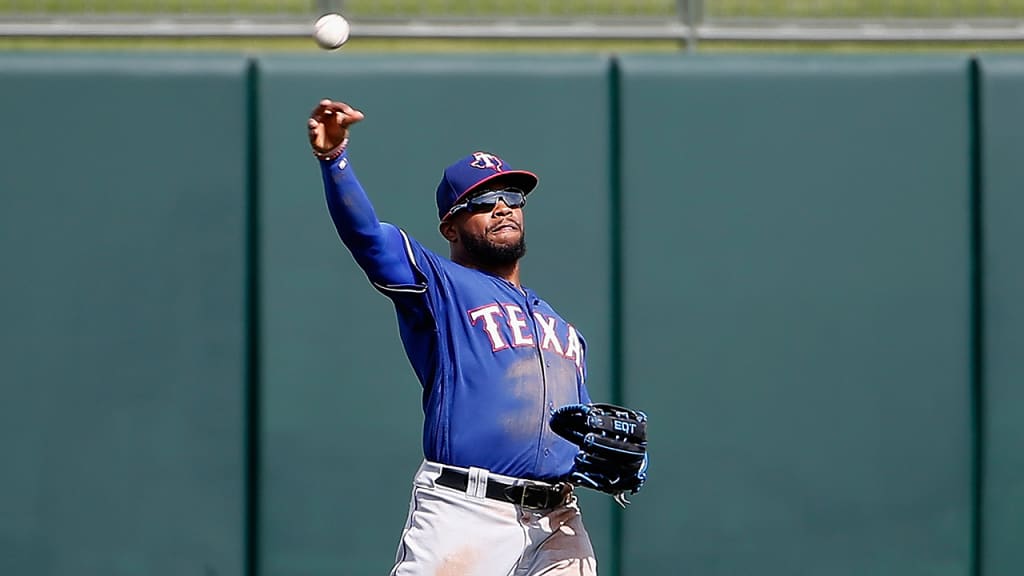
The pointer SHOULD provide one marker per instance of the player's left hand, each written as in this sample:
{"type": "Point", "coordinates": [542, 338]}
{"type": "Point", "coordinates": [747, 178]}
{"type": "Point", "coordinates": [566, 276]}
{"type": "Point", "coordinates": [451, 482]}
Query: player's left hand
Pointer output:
{"type": "Point", "coordinates": [328, 125]}
{"type": "Point", "coordinates": [612, 442]}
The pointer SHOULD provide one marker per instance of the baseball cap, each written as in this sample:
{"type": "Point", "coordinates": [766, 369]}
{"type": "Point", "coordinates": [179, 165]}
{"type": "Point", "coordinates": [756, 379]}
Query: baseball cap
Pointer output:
{"type": "Point", "coordinates": [473, 171]}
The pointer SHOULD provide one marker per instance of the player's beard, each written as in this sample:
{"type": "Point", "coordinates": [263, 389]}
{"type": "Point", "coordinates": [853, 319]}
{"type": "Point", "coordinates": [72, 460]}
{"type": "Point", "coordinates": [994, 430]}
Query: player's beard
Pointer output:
{"type": "Point", "coordinates": [487, 252]}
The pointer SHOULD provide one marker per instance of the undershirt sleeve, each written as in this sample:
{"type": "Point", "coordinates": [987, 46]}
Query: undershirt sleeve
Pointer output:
{"type": "Point", "coordinates": [379, 248]}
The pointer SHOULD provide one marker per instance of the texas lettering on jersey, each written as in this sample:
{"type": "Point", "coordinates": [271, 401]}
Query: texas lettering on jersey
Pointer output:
{"type": "Point", "coordinates": [507, 326]}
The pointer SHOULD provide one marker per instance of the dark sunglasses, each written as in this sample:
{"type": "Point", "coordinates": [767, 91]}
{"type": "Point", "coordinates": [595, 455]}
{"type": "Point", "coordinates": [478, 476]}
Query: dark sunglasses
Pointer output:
{"type": "Point", "coordinates": [512, 197]}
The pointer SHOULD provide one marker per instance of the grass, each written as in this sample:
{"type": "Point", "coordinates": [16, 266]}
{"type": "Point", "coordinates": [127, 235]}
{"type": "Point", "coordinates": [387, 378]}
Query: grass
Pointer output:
{"type": "Point", "coordinates": [867, 9]}
{"type": "Point", "coordinates": [536, 8]}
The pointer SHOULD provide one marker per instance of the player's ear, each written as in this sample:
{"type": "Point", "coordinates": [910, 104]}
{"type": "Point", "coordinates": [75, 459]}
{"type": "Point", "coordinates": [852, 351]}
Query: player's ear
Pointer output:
{"type": "Point", "coordinates": [448, 231]}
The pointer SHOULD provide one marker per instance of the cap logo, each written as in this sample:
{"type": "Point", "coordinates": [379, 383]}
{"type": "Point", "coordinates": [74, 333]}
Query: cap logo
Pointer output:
{"type": "Point", "coordinates": [484, 161]}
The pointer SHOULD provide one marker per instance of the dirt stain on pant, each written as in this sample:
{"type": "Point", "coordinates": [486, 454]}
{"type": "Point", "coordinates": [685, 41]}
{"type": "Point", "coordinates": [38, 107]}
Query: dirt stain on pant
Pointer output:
{"type": "Point", "coordinates": [458, 563]}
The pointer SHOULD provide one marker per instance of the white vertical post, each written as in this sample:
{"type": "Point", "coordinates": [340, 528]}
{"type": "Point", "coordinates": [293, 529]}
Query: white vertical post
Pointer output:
{"type": "Point", "coordinates": [690, 12]}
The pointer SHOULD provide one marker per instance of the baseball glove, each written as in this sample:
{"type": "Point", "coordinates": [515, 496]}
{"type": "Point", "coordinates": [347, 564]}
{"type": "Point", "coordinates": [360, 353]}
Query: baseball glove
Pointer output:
{"type": "Point", "coordinates": [612, 442]}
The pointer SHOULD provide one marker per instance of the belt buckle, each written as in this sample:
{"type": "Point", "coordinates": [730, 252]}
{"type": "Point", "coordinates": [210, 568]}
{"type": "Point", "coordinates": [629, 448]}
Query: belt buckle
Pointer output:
{"type": "Point", "coordinates": [527, 486]}
{"type": "Point", "coordinates": [547, 491]}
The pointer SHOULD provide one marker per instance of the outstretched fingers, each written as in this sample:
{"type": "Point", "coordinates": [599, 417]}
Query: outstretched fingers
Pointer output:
{"type": "Point", "coordinates": [340, 112]}
{"type": "Point", "coordinates": [346, 114]}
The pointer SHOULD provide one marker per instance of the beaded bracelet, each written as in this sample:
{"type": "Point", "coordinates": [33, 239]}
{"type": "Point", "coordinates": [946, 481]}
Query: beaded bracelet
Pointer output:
{"type": "Point", "coordinates": [333, 153]}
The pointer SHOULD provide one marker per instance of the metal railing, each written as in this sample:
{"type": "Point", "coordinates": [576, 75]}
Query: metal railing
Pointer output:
{"type": "Point", "coordinates": [682, 20]}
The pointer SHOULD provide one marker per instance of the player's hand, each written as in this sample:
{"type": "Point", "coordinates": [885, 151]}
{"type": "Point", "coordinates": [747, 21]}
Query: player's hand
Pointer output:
{"type": "Point", "coordinates": [328, 124]}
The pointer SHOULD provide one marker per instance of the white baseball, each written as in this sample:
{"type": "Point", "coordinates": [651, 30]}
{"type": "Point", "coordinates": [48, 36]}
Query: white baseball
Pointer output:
{"type": "Point", "coordinates": [331, 31]}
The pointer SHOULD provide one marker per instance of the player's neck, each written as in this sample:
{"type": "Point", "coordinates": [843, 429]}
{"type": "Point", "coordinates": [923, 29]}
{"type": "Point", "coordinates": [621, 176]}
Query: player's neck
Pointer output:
{"type": "Point", "coordinates": [509, 272]}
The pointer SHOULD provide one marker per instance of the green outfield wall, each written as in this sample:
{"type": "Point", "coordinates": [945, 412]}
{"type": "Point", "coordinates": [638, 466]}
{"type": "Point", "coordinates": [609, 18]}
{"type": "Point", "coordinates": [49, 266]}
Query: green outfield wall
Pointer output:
{"type": "Point", "coordinates": [123, 233]}
{"type": "Point", "coordinates": [803, 268]}
{"type": "Point", "coordinates": [808, 338]}
{"type": "Point", "coordinates": [1001, 123]}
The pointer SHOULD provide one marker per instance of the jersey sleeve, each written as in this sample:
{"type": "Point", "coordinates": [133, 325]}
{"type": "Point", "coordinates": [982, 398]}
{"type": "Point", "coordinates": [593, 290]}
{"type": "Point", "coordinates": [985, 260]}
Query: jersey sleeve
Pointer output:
{"type": "Point", "coordinates": [379, 248]}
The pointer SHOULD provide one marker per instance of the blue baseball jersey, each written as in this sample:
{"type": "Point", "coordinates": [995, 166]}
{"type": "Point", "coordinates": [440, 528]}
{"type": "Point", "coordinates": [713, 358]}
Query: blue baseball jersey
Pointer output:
{"type": "Point", "coordinates": [494, 360]}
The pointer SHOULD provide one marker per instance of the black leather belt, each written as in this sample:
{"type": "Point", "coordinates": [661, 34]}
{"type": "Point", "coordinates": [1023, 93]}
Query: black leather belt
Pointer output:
{"type": "Point", "coordinates": [529, 494]}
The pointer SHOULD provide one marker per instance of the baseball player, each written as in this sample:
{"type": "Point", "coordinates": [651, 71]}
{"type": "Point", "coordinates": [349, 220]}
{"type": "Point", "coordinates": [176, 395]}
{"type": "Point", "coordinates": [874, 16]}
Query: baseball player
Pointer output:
{"type": "Point", "coordinates": [494, 359]}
